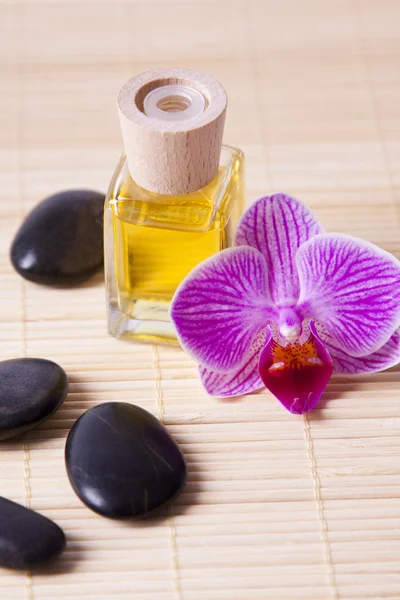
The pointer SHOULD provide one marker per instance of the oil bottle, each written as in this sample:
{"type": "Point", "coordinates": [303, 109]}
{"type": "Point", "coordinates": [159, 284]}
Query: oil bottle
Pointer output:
{"type": "Point", "coordinates": [174, 200]}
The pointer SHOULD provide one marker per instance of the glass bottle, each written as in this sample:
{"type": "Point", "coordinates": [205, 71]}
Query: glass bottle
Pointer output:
{"type": "Point", "coordinates": [174, 200]}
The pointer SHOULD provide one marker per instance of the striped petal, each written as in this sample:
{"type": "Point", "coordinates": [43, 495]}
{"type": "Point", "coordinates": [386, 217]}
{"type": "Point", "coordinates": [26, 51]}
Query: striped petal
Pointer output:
{"type": "Point", "coordinates": [384, 358]}
{"type": "Point", "coordinates": [277, 226]}
{"type": "Point", "coordinates": [353, 288]}
{"type": "Point", "coordinates": [242, 381]}
{"type": "Point", "coordinates": [221, 306]}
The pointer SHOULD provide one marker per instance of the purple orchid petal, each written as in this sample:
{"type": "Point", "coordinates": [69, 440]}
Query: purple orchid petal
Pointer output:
{"type": "Point", "coordinates": [384, 358]}
{"type": "Point", "coordinates": [221, 306]}
{"type": "Point", "coordinates": [353, 288]}
{"type": "Point", "coordinates": [241, 381]}
{"type": "Point", "coordinates": [296, 374]}
{"type": "Point", "coordinates": [277, 226]}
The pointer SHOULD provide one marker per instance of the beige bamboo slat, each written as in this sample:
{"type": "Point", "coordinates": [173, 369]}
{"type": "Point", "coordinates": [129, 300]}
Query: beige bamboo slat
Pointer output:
{"type": "Point", "coordinates": [276, 507]}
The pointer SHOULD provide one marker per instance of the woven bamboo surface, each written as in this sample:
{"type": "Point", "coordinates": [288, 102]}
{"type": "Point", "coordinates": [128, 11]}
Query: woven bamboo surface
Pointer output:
{"type": "Point", "coordinates": [277, 506]}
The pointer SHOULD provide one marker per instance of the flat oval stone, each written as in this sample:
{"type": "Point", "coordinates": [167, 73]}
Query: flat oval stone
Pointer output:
{"type": "Point", "coordinates": [31, 389]}
{"type": "Point", "coordinates": [122, 462]}
{"type": "Point", "coordinates": [27, 538]}
{"type": "Point", "coordinates": [61, 240]}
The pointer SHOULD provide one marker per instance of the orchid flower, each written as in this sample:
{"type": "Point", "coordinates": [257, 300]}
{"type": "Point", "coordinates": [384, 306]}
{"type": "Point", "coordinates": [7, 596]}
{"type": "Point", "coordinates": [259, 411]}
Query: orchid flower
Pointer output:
{"type": "Point", "coordinates": [287, 306]}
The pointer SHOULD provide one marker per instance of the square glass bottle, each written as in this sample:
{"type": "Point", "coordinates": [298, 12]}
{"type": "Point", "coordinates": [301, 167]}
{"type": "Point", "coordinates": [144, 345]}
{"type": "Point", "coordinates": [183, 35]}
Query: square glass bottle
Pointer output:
{"type": "Point", "coordinates": [174, 200]}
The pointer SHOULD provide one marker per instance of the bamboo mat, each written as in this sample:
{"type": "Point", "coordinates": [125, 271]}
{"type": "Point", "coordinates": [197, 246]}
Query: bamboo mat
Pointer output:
{"type": "Point", "coordinates": [277, 506]}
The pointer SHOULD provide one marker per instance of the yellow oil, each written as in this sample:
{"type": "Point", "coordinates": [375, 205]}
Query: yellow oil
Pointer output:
{"type": "Point", "coordinates": [159, 239]}
{"type": "Point", "coordinates": [152, 261]}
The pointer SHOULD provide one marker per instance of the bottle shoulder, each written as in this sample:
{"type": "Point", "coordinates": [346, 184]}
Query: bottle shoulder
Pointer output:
{"type": "Point", "coordinates": [197, 210]}
{"type": "Point", "coordinates": [232, 153]}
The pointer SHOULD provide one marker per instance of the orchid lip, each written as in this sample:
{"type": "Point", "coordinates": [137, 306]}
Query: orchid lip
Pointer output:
{"type": "Point", "coordinates": [296, 374]}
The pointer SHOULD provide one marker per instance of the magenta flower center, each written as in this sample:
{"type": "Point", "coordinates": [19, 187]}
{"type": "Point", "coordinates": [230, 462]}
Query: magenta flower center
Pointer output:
{"type": "Point", "coordinates": [289, 323]}
{"type": "Point", "coordinates": [296, 374]}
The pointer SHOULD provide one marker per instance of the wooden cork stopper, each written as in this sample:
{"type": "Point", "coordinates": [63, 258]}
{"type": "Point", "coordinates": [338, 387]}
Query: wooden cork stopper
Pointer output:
{"type": "Point", "coordinates": [172, 122]}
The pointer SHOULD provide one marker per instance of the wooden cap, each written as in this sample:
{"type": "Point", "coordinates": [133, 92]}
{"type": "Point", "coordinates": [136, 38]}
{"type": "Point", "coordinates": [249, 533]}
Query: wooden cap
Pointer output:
{"type": "Point", "coordinates": [175, 148]}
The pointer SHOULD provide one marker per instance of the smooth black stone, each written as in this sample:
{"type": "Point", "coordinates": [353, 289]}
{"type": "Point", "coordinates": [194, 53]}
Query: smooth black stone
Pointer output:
{"type": "Point", "coordinates": [61, 240]}
{"type": "Point", "coordinates": [31, 389]}
{"type": "Point", "coordinates": [27, 538]}
{"type": "Point", "coordinates": [122, 462]}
